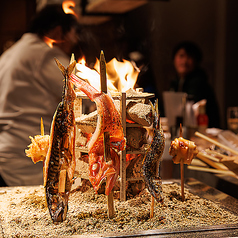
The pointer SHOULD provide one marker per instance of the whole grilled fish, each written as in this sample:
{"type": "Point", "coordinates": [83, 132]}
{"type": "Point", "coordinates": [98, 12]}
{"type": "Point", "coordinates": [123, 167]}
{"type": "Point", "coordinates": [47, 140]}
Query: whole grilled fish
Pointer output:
{"type": "Point", "coordinates": [153, 156]}
{"type": "Point", "coordinates": [60, 159]}
{"type": "Point", "coordinates": [109, 120]}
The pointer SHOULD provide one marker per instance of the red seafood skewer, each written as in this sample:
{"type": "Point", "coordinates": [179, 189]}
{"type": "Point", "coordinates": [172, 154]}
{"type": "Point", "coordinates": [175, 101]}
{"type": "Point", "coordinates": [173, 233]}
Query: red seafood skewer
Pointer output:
{"type": "Point", "coordinates": [108, 121]}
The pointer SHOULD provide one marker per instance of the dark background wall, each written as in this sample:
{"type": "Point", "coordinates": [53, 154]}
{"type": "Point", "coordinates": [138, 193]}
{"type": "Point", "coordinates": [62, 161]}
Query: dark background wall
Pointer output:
{"type": "Point", "coordinates": [154, 29]}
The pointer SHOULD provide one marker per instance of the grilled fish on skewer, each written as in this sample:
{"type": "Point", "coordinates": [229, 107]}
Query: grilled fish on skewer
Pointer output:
{"type": "Point", "coordinates": [108, 121]}
{"type": "Point", "coordinates": [153, 156]}
{"type": "Point", "coordinates": [60, 160]}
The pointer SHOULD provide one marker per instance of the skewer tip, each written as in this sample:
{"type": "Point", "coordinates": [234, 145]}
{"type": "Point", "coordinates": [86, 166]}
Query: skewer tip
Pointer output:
{"type": "Point", "coordinates": [181, 130]}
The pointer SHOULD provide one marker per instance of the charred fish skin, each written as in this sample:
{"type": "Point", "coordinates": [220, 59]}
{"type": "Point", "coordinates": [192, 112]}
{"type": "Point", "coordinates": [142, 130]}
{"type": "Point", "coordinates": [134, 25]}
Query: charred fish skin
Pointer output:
{"type": "Point", "coordinates": [61, 154]}
{"type": "Point", "coordinates": [153, 156]}
{"type": "Point", "coordinates": [58, 202]}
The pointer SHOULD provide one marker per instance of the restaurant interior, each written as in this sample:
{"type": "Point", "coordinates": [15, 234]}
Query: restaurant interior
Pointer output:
{"type": "Point", "coordinates": [152, 28]}
{"type": "Point", "coordinates": [145, 32]}
{"type": "Point", "coordinates": [148, 29]}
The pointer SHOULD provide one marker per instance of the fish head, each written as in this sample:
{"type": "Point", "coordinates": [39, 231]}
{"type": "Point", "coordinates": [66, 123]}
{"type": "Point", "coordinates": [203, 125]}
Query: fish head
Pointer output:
{"type": "Point", "coordinates": [58, 206]}
{"type": "Point", "coordinates": [101, 170]}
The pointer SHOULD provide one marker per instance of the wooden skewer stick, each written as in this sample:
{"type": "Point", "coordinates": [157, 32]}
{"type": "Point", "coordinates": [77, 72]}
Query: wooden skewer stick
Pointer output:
{"type": "Point", "coordinates": [230, 162]}
{"type": "Point", "coordinates": [107, 156]}
{"type": "Point", "coordinates": [182, 168]}
{"type": "Point", "coordinates": [206, 158]}
{"type": "Point", "coordinates": [182, 179]}
{"type": "Point", "coordinates": [215, 153]}
{"type": "Point", "coordinates": [42, 132]}
{"type": "Point", "coordinates": [216, 143]}
{"type": "Point", "coordinates": [42, 127]}
{"type": "Point", "coordinates": [62, 181]}
{"type": "Point", "coordinates": [152, 205]}
{"type": "Point", "coordinates": [209, 156]}
{"type": "Point", "coordinates": [103, 73]}
{"type": "Point", "coordinates": [106, 135]}
{"type": "Point", "coordinates": [216, 171]}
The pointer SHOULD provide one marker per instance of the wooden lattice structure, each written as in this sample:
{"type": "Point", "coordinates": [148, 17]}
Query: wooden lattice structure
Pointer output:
{"type": "Point", "coordinates": [122, 97]}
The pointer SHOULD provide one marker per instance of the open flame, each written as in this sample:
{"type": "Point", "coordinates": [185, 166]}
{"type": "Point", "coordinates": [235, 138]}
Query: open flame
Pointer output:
{"type": "Point", "coordinates": [121, 76]}
{"type": "Point", "coordinates": [49, 41]}
{"type": "Point", "coordinates": [68, 7]}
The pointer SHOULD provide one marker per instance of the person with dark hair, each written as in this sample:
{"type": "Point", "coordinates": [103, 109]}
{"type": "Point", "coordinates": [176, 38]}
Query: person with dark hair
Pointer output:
{"type": "Point", "coordinates": [30, 88]}
{"type": "Point", "coordinates": [192, 79]}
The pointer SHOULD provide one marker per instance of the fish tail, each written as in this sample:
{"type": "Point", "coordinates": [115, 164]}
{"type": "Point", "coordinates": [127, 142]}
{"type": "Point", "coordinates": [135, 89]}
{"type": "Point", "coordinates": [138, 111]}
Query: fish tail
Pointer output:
{"type": "Point", "coordinates": [66, 71]}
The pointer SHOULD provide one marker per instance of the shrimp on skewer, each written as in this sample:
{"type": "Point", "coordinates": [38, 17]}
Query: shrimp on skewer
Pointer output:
{"type": "Point", "coordinates": [153, 156]}
{"type": "Point", "coordinates": [60, 159]}
{"type": "Point", "coordinates": [108, 121]}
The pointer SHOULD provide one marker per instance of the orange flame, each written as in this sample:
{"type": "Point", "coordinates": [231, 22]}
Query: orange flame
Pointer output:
{"type": "Point", "coordinates": [121, 76]}
{"type": "Point", "coordinates": [49, 41]}
{"type": "Point", "coordinates": [68, 7]}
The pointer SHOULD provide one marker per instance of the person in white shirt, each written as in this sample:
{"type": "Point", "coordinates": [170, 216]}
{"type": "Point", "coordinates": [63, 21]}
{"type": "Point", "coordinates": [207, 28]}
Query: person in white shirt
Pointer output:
{"type": "Point", "coordinates": [31, 88]}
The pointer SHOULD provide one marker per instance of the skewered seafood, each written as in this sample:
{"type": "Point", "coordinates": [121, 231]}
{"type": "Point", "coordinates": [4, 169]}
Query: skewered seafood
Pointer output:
{"type": "Point", "coordinates": [108, 121]}
{"type": "Point", "coordinates": [153, 156]}
{"type": "Point", "coordinates": [60, 160]}
{"type": "Point", "coordinates": [38, 148]}
{"type": "Point", "coordinates": [57, 151]}
{"type": "Point", "coordinates": [182, 149]}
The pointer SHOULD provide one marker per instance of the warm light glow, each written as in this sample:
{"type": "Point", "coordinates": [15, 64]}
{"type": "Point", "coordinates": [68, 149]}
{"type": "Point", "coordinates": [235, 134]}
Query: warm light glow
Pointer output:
{"type": "Point", "coordinates": [49, 41]}
{"type": "Point", "coordinates": [82, 61]}
{"type": "Point", "coordinates": [88, 74]}
{"type": "Point", "coordinates": [68, 7]}
{"type": "Point", "coordinates": [121, 76]}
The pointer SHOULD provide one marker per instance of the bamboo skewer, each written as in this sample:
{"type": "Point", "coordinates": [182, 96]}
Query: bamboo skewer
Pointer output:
{"type": "Point", "coordinates": [152, 205]}
{"type": "Point", "coordinates": [225, 172]}
{"type": "Point", "coordinates": [209, 156]}
{"type": "Point", "coordinates": [216, 143]}
{"type": "Point", "coordinates": [42, 132]}
{"type": "Point", "coordinates": [107, 156]}
{"type": "Point", "coordinates": [103, 73]}
{"type": "Point", "coordinates": [182, 168]}
{"type": "Point", "coordinates": [182, 179]}
{"type": "Point", "coordinates": [157, 170]}
{"type": "Point", "coordinates": [206, 158]}
{"type": "Point", "coordinates": [231, 162]}
{"type": "Point", "coordinates": [106, 135]}
{"type": "Point", "coordinates": [215, 153]}
{"type": "Point", "coordinates": [42, 127]}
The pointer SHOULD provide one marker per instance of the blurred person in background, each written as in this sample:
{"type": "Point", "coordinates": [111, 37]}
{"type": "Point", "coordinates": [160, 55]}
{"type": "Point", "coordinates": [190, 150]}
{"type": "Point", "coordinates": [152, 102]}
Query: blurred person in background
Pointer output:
{"type": "Point", "coordinates": [30, 88]}
{"type": "Point", "coordinates": [192, 79]}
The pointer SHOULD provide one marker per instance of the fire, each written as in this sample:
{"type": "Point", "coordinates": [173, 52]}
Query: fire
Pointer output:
{"type": "Point", "coordinates": [68, 7]}
{"type": "Point", "coordinates": [49, 41]}
{"type": "Point", "coordinates": [121, 76]}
